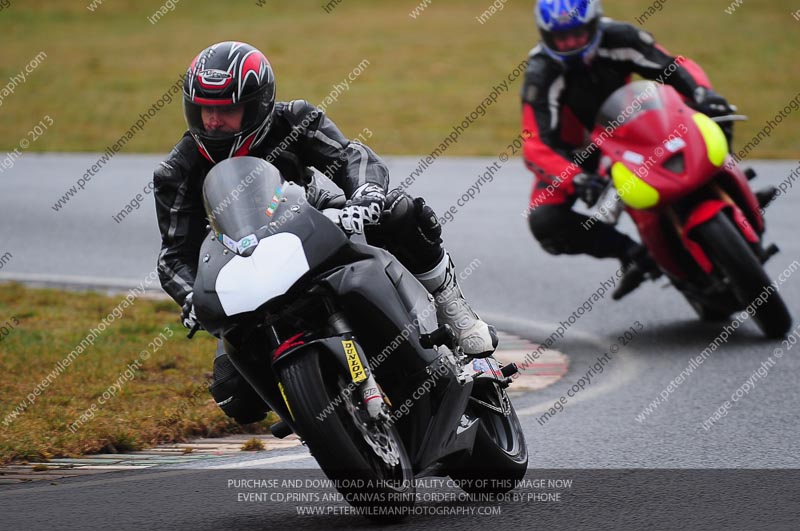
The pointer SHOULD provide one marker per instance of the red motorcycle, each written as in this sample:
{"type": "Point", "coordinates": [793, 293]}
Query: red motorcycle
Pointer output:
{"type": "Point", "coordinates": [690, 201]}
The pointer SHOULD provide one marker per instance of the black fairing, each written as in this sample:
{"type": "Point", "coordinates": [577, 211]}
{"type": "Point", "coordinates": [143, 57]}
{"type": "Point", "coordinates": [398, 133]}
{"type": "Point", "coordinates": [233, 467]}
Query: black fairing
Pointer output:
{"type": "Point", "coordinates": [380, 299]}
{"type": "Point", "coordinates": [321, 239]}
{"type": "Point", "coordinates": [213, 256]}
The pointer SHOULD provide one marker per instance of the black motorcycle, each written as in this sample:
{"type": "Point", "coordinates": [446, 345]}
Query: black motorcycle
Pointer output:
{"type": "Point", "coordinates": [342, 342]}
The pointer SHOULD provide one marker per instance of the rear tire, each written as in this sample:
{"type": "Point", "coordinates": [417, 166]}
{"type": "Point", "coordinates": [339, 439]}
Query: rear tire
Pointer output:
{"type": "Point", "coordinates": [312, 383]}
{"type": "Point", "coordinates": [500, 454]}
{"type": "Point", "coordinates": [730, 253]}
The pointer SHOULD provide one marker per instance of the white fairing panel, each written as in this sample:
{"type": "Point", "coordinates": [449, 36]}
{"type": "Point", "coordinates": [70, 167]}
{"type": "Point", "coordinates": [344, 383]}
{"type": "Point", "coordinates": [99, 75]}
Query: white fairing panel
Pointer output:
{"type": "Point", "coordinates": [245, 283]}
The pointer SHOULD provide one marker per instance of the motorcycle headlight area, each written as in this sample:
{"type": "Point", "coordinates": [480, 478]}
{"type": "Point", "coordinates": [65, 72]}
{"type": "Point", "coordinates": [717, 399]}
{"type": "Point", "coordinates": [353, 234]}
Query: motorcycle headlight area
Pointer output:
{"type": "Point", "coordinates": [633, 191]}
{"type": "Point", "coordinates": [247, 282]}
{"type": "Point", "coordinates": [716, 143]}
{"type": "Point", "coordinates": [241, 246]}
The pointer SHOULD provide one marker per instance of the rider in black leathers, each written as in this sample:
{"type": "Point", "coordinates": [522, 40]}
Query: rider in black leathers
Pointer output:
{"type": "Point", "coordinates": [230, 109]}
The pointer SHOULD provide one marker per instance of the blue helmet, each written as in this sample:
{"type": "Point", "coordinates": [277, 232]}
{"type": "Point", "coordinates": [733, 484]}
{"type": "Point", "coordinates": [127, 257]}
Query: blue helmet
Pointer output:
{"type": "Point", "coordinates": [570, 28]}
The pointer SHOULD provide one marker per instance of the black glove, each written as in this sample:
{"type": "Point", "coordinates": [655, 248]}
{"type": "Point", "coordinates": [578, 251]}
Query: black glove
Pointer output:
{"type": "Point", "coordinates": [710, 103]}
{"type": "Point", "coordinates": [188, 317]}
{"type": "Point", "coordinates": [589, 187]}
{"type": "Point", "coordinates": [364, 208]}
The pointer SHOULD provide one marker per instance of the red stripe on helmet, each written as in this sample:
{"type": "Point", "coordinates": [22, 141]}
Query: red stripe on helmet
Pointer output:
{"type": "Point", "coordinates": [253, 62]}
{"type": "Point", "coordinates": [194, 62]}
{"type": "Point", "coordinates": [209, 101]}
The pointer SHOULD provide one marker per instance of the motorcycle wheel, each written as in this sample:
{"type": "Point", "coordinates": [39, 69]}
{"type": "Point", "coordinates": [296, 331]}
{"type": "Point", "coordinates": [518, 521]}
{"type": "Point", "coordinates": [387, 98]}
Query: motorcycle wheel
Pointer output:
{"type": "Point", "coordinates": [349, 446]}
{"type": "Point", "coordinates": [742, 269]}
{"type": "Point", "coordinates": [500, 454]}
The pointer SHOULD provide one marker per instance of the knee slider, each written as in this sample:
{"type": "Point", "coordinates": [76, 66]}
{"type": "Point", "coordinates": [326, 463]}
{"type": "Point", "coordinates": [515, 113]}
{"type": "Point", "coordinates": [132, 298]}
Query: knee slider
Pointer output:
{"type": "Point", "coordinates": [427, 221]}
{"type": "Point", "coordinates": [542, 221]}
{"type": "Point", "coordinates": [405, 214]}
{"type": "Point", "coordinates": [398, 206]}
{"type": "Point", "coordinates": [544, 224]}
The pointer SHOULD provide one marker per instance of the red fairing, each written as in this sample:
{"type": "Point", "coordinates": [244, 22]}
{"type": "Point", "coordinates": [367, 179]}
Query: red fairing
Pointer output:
{"type": "Point", "coordinates": [744, 225]}
{"type": "Point", "coordinates": [643, 145]}
{"type": "Point", "coordinates": [738, 181]}
{"type": "Point", "coordinates": [652, 234]}
{"type": "Point", "coordinates": [694, 69]}
{"type": "Point", "coordinates": [704, 213]}
{"type": "Point", "coordinates": [659, 141]}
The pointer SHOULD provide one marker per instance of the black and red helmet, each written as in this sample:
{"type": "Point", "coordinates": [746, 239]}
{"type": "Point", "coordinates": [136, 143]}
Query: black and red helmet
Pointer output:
{"type": "Point", "coordinates": [229, 74]}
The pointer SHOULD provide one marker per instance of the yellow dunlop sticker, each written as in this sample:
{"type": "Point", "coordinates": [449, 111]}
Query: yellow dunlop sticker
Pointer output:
{"type": "Point", "coordinates": [285, 400]}
{"type": "Point", "coordinates": [354, 362]}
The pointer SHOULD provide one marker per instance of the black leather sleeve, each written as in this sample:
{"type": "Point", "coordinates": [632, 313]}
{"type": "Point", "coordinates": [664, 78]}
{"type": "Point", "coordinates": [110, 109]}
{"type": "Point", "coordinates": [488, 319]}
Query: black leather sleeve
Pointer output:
{"type": "Point", "coordinates": [347, 163]}
{"type": "Point", "coordinates": [625, 42]}
{"type": "Point", "coordinates": [181, 218]}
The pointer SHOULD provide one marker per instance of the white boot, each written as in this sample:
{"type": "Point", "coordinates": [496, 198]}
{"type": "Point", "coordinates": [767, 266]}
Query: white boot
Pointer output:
{"type": "Point", "coordinates": [476, 338]}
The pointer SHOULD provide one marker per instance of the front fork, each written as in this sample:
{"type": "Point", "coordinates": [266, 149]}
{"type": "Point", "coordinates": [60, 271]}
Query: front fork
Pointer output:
{"type": "Point", "coordinates": [357, 364]}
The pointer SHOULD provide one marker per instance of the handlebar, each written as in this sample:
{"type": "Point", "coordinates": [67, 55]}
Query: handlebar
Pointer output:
{"type": "Point", "coordinates": [730, 118]}
{"type": "Point", "coordinates": [335, 215]}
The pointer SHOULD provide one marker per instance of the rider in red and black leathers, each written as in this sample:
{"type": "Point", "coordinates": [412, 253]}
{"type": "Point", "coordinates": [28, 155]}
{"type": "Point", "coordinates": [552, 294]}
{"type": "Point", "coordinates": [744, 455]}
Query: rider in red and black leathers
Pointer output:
{"type": "Point", "coordinates": [230, 108]}
{"type": "Point", "coordinates": [560, 99]}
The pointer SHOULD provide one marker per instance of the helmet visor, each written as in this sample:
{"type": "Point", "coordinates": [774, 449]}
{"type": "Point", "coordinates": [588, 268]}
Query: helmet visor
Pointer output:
{"type": "Point", "coordinates": [218, 121]}
{"type": "Point", "coordinates": [570, 41]}
{"type": "Point", "coordinates": [219, 126]}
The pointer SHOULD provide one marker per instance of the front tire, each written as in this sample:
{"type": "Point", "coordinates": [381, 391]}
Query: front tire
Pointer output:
{"type": "Point", "coordinates": [706, 312]}
{"type": "Point", "coordinates": [347, 449]}
{"type": "Point", "coordinates": [499, 457]}
{"type": "Point", "coordinates": [733, 257]}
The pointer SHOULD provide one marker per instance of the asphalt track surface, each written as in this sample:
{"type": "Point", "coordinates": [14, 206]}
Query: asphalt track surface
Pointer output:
{"type": "Point", "coordinates": [595, 441]}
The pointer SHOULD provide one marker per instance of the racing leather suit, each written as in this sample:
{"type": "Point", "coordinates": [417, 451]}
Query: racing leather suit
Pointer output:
{"type": "Point", "coordinates": [300, 138]}
{"type": "Point", "coordinates": [559, 105]}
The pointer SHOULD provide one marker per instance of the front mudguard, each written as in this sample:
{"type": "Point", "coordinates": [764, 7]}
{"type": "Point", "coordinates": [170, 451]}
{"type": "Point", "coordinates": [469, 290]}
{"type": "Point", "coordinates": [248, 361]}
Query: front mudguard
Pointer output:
{"type": "Point", "coordinates": [344, 348]}
{"type": "Point", "coordinates": [704, 212]}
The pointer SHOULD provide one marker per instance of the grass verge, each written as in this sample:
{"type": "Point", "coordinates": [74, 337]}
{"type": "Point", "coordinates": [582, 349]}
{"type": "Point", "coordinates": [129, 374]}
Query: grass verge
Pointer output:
{"type": "Point", "coordinates": [111, 397]}
{"type": "Point", "coordinates": [107, 65]}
